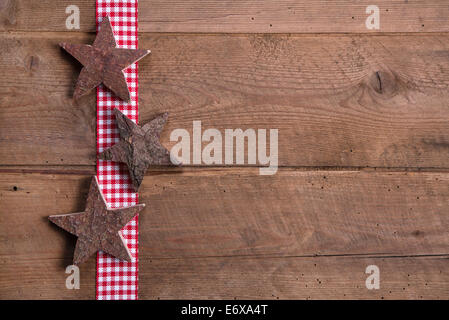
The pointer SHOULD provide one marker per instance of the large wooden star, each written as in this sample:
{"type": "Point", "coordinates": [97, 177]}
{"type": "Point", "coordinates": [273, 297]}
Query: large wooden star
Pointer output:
{"type": "Point", "coordinates": [97, 228]}
{"type": "Point", "coordinates": [103, 63]}
{"type": "Point", "coordinates": [139, 147]}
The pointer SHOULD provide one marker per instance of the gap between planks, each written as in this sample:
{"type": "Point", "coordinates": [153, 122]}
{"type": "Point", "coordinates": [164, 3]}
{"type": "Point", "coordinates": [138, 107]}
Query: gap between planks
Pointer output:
{"type": "Point", "coordinates": [91, 169]}
{"type": "Point", "coordinates": [368, 255]}
{"type": "Point", "coordinates": [311, 256]}
{"type": "Point", "coordinates": [233, 34]}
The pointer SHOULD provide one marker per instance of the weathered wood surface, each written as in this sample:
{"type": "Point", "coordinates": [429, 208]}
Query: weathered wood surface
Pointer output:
{"type": "Point", "coordinates": [240, 278]}
{"type": "Point", "coordinates": [26, 278]}
{"type": "Point", "coordinates": [337, 100]}
{"type": "Point", "coordinates": [238, 212]}
{"type": "Point", "coordinates": [26, 202]}
{"type": "Point", "coordinates": [34, 253]}
{"type": "Point", "coordinates": [247, 16]}
{"type": "Point", "coordinates": [36, 95]}
{"type": "Point", "coordinates": [292, 278]}
{"type": "Point", "coordinates": [358, 201]}
{"type": "Point", "coordinates": [215, 225]}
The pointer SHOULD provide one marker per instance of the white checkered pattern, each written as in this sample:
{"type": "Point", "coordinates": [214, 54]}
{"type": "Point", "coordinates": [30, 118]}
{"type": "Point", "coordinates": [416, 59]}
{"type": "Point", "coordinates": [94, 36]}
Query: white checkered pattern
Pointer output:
{"type": "Point", "coordinates": [117, 280]}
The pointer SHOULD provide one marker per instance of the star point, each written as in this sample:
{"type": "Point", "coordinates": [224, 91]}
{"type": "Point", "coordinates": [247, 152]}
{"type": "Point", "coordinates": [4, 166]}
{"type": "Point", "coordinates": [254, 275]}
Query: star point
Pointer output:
{"type": "Point", "coordinates": [103, 63]}
{"type": "Point", "coordinates": [138, 147]}
{"type": "Point", "coordinates": [97, 228]}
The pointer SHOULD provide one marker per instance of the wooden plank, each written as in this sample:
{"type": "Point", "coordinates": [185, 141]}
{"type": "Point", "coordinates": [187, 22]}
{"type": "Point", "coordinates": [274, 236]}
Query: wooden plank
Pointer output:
{"type": "Point", "coordinates": [322, 93]}
{"type": "Point", "coordinates": [23, 278]}
{"type": "Point", "coordinates": [292, 278]}
{"type": "Point", "coordinates": [197, 224]}
{"type": "Point", "coordinates": [40, 122]}
{"type": "Point", "coordinates": [337, 100]}
{"type": "Point", "coordinates": [237, 212]}
{"type": "Point", "coordinates": [239, 278]}
{"type": "Point", "coordinates": [44, 15]}
{"type": "Point", "coordinates": [291, 16]}
{"type": "Point", "coordinates": [247, 16]}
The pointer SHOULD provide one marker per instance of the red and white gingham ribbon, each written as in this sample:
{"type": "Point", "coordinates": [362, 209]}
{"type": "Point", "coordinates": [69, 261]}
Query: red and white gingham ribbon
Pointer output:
{"type": "Point", "coordinates": [117, 280]}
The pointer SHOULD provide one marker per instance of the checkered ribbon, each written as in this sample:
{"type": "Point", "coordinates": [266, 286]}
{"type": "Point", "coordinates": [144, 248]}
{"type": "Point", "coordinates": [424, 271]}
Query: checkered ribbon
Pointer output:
{"type": "Point", "coordinates": [117, 280]}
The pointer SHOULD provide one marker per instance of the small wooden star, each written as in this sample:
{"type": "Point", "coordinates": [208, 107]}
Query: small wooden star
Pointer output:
{"type": "Point", "coordinates": [103, 63]}
{"type": "Point", "coordinates": [139, 147]}
{"type": "Point", "coordinates": [97, 228]}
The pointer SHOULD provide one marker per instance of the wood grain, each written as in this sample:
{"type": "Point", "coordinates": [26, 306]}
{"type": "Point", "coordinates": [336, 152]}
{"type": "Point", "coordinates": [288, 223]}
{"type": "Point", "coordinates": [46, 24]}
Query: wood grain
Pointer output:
{"type": "Point", "coordinates": [204, 247]}
{"type": "Point", "coordinates": [40, 122]}
{"type": "Point", "coordinates": [239, 278]}
{"type": "Point", "coordinates": [294, 213]}
{"type": "Point", "coordinates": [26, 202]}
{"type": "Point", "coordinates": [247, 16]}
{"type": "Point", "coordinates": [290, 16]}
{"type": "Point", "coordinates": [23, 278]}
{"type": "Point", "coordinates": [344, 101]}
{"type": "Point", "coordinates": [45, 15]}
{"type": "Point", "coordinates": [341, 97]}
{"type": "Point", "coordinates": [292, 278]}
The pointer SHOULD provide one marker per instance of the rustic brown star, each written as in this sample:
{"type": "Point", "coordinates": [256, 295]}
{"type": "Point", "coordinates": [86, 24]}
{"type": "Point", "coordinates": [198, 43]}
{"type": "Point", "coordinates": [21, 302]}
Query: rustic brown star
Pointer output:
{"type": "Point", "coordinates": [139, 147]}
{"type": "Point", "coordinates": [97, 228]}
{"type": "Point", "coordinates": [103, 63]}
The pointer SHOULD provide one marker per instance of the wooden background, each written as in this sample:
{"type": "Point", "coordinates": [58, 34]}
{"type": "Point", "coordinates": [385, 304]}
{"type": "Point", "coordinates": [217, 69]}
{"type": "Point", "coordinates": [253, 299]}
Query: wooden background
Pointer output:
{"type": "Point", "coordinates": [363, 149]}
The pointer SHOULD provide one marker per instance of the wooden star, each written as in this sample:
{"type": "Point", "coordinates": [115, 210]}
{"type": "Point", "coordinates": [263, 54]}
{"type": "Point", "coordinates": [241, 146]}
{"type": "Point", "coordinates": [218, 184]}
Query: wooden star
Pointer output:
{"type": "Point", "coordinates": [103, 63]}
{"type": "Point", "coordinates": [97, 228]}
{"type": "Point", "coordinates": [139, 147]}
